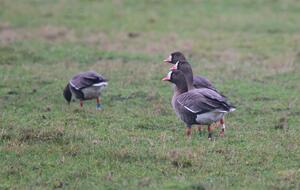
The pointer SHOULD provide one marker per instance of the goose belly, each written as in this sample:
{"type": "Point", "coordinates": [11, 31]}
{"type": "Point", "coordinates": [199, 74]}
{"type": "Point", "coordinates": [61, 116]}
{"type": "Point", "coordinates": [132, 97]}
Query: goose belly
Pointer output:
{"type": "Point", "coordinates": [91, 92]}
{"type": "Point", "coordinates": [209, 117]}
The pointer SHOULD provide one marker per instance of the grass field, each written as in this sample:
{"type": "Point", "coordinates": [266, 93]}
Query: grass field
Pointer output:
{"type": "Point", "coordinates": [249, 49]}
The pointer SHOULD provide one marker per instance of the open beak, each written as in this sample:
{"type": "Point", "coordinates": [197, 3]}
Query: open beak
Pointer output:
{"type": "Point", "coordinates": [169, 59]}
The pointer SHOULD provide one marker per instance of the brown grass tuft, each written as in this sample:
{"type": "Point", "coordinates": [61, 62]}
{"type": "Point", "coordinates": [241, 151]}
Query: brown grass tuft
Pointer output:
{"type": "Point", "coordinates": [32, 135]}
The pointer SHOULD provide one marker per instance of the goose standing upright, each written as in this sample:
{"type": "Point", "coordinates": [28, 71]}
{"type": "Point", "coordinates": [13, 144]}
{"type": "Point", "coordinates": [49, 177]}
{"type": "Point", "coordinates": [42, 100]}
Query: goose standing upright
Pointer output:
{"type": "Point", "coordinates": [85, 86]}
{"type": "Point", "coordinates": [180, 63]}
{"type": "Point", "coordinates": [197, 106]}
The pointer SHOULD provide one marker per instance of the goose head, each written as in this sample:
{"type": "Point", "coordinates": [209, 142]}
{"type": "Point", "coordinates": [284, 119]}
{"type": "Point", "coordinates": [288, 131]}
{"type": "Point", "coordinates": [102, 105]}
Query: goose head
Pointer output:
{"type": "Point", "coordinates": [177, 77]}
{"type": "Point", "coordinates": [175, 57]}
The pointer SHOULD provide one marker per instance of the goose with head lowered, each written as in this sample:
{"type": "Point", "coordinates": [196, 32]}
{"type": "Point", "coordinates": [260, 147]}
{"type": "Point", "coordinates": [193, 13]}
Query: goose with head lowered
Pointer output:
{"type": "Point", "coordinates": [85, 86]}
{"type": "Point", "coordinates": [198, 106]}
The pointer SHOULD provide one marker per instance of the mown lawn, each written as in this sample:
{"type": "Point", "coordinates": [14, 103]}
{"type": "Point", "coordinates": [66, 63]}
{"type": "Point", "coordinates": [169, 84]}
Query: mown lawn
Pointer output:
{"type": "Point", "coordinates": [249, 49]}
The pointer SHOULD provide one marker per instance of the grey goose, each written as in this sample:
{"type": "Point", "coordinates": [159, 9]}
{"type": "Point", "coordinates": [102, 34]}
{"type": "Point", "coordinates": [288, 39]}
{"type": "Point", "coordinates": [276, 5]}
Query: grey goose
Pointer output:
{"type": "Point", "coordinates": [85, 86]}
{"type": "Point", "coordinates": [179, 62]}
{"type": "Point", "coordinates": [197, 106]}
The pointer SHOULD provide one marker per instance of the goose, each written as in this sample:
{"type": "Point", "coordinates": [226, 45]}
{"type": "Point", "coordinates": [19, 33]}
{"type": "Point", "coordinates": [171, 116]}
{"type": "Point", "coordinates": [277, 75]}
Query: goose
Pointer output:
{"type": "Point", "coordinates": [186, 68]}
{"type": "Point", "coordinates": [198, 81]}
{"type": "Point", "coordinates": [197, 106]}
{"type": "Point", "coordinates": [180, 63]}
{"type": "Point", "coordinates": [85, 86]}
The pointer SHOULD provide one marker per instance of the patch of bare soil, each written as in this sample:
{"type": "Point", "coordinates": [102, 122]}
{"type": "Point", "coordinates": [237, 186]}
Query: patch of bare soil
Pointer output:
{"type": "Point", "coordinates": [4, 26]}
{"type": "Point", "coordinates": [7, 34]}
{"type": "Point", "coordinates": [53, 33]}
{"type": "Point", "coordinates": [281, 63]}
{"type": "Point", "coordinates": [138, 42]}
{"type": "Point", "coordinates": [228, 56]}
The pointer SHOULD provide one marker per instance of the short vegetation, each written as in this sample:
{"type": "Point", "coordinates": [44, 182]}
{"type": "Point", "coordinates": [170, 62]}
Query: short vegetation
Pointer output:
{"type": "Point", "coordinates": [249, 49]}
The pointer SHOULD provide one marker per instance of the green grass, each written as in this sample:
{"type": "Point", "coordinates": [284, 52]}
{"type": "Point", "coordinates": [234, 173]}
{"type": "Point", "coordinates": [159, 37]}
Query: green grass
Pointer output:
{"type": "Point", "coordinates": [249, 49]}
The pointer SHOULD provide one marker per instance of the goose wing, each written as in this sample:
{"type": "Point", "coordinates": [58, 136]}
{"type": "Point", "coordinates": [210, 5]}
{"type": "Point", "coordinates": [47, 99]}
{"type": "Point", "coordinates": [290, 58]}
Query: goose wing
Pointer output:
{"type": "Point", "coordinates": [203, 100]}
{"type": "Point", "coordinates": [202, 82]}
{"type": "Point", "coordinates": [86, 79]}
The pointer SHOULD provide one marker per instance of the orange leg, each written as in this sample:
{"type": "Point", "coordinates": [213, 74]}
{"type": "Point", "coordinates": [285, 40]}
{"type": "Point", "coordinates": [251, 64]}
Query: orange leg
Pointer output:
{"type": "Point", "coordinates": [98, 106]}
{"type": "Point", "coordinates": [209, 132]}
{"type": "Point", "coordinates": [188, 131]}
{"type": "Point", "coordinates": [81, 103]}
{"type": "Point", "coordinates": [222, 132]}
